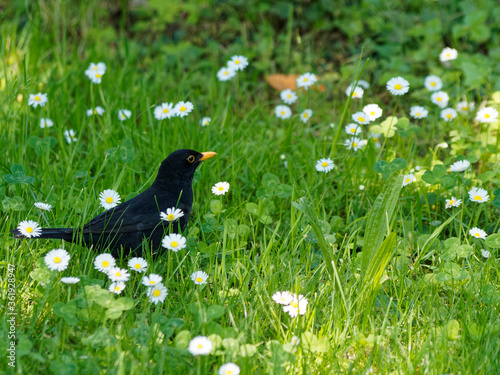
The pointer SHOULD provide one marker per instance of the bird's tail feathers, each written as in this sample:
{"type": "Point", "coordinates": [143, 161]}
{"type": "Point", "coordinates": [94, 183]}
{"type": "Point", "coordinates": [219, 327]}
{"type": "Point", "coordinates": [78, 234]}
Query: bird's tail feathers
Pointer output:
{"type": "Point", "coordinates": [59, 233]}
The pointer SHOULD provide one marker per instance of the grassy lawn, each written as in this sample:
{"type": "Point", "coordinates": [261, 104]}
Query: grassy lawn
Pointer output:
{"type": "Point", "coordinates": [369, 226]}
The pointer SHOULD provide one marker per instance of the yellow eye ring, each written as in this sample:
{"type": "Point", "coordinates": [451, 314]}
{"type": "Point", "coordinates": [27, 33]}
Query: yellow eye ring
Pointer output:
{"type": "Point", "coordinates": [190, 158]}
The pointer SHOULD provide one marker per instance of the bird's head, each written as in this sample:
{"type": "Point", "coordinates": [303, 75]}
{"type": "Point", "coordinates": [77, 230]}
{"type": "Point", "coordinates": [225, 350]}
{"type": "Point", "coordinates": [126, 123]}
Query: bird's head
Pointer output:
{"type": "Point", "coordinates": [181, 164]}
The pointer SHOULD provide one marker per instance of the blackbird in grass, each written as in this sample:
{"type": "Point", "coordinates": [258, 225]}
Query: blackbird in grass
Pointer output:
{"type": "Point", "coordinates": [125, 226]}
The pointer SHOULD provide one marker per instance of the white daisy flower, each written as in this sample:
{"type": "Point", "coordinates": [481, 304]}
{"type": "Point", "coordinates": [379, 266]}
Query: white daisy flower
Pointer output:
{"type": "Point", "coordinates": [104, 262]}
{"type": "Point", "coordinates": [36, 100]}
{"type": "Point", "coordinates": [118, 274]}
{"type": "Point", "coordinates": [95, 76]}
{"type": "Point", "coordinates": [225, 74]}
{"type": "Point", "coordinates": [70, 280]}
{"type": "Point", "coordinates": [283, 298]}
{"type": "Point", "coordinates": [306, 80]}
{"type": "Point", "coordinates": [361, 118]}
{"type": "Point", "coordinates": [99, 67]}
{"type": "Point", "coordinates": [70, 135]}
{"type": "Point", "coordinates": [448, 54]}
{"type": "Point", "coordinates": [373, 111]}
{"type": "Point", "coordinates": [43, 206]}
{"type": "Point", "coordinates": [283, 111]}
{"type": "Point", "coordinates": [325, 165]}
{"type": "Point", "coordinates": [124, 114]}
{"type": "Point", "coordinates": [485, 253]}
{"type": "Point", "coordinates": [57, 260]}
{"type": "Point", "coordinates": [237, 63]}
{"type": "Point", "coordinates": [375, 139]}
{"type": "Point", "coordinates": [453, 202]}
{"type": "Point", "coordinates": [116, 287]}
{"type": "Point", "coordinates": [295, 340]}
{"type": "Point", "coordinates": [464, 107]}
{"type": "Point", "coordinates": [164, 110]}
{"type": "Point", "coordinates": [151, 280]}
{"type": "Point", "coordinates": [352, 129]}
{"type": "Point", "coordinates": [297, 306]}
{"type": "Point", "coordinates": [96, 111]}
{"type": "Point", "coordinates": [487, 114]}
{"type": "Point", "coordinates": [199, 277]}
{"type": "Point", "coordinates": [157, 293]}
{"type": "Point", "coordinates": [306, 115]}
{"type": "Point", "coordinates": [440, 99]}
{"type": "Point", "coordinates": [220, 188]}
{"type": "Point", "coordinates": [353, 143]}
{"type": "Point", "coordinates": [288, 96]}
{"type": "Point", "coordinates": [174, 242]}
{"type": "Point", "coordinates": [364, 84]}
{"type": "Point", "coordinates": [172, 214]}
{"type": "Point", "coordinates": [46, 123]}
{"type": "Point", "coordinates": [478, 195]}
{"type": "Point", "coordinates": [229, 368]}
{"type": "Point", "coordinates": [460, 166]}
{"type": "Point", "coordinates": [109, 199]}
{"type": "Point", "coordinates": [408, 179]}
{"type": "Point", "coordinates": [138, 264]}
{"type": "Point", "coordinates": [433, 83]}
{"type": "Point", "coordinates": [182, 109]}
{"type": "Point", "coordinates": [478, 233]}
{"type": "Point", "coordinates": [200, 345]}
{"type": "Point", "coordinates": [418, 112]}
{"type": "Point", "coordinates": [355, 92]}
{"type": "Point", "coordinates": [205, 121]}
{"type": "Point", "coordinates": [398, 86]}
{"type": "Point", "coordinates": [29, 228]}
{"type": "Point", "coordinates": [448, 114]}
{"type": "Point", "coordinates": [361, 187]}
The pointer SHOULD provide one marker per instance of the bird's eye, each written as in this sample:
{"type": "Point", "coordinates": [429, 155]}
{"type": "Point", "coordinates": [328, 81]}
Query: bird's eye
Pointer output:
{"type": "Point", "coordinates": [190, 158]}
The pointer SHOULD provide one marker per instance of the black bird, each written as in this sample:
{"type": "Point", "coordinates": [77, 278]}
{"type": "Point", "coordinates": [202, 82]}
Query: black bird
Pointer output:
{"type": "Point", "coordinates": [128, 224]}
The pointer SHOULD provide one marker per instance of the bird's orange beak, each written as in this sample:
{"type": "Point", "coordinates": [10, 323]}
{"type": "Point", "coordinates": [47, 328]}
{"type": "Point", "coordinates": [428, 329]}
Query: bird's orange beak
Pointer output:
{"type": "Point", "coordinates": [207, 155]}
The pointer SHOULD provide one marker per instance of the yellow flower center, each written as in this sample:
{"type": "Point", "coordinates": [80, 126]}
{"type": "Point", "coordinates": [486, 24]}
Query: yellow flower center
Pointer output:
{"type": "Point", "coordinates": [305, 80]}
{"type": "Point", "coordinates": [398, 87]}
{"type": "Point", "coordinates": [137, 266]}
{"type": "Point", "coordinates": [305, 114]}
{"type": "Point", "coordinates": [37, 98]}
{"type": "Point", "coordinates": [487, 115]}
{"type": "Point", "coordinates": [439, 99]}
{"type": "Point", "coordinates": [353, 94]}
{"type": "Point", "coordinates": [375, 139]}
{"type": "Point", "coordinates": [452, 201]}
{"type": "Point", "coordinates": [170, 217]}
{"type": "Point", "coordinates": [478, 198]}
{"type": "Point", "coordinates": [324, 164]}
{"type": "Point", "coordinates": [117, 288]}
{"type": "Point", "coordinates": [200, 346]}
{"type": "Point", "coordinates": [407, 180]}
{"type": "Point", "coordinates": [221, 188]}
{"type": "Point", "coordinates": [105, 263]}
{"type": "Point", "coordinates": [355, 144]}
{"type": "Point", "coordinates": [165, 110]}
{"type": "Point", "coordinates": [98, 75]}
{"type": "Point", "coordinates": [156, 293]}
{"type": "Point", "coordinates": [226, 72]}
{"type": "Point", "coordinates": [294, 304]}
{"type": "Point", "coordinates": [57, 260]}
{"type": "Point", "coordinates": [476, 234]}
{"type": "Point", "coordinates": [433, 83]}
{"type": "Point", "coordinates": [94, 111]}
{"type": "Point", "coordinates": [95, 67]}
{"type": "Point", "coordinates": [237, 62]}
{"type": "Point", "coordinates": [448, 55]}
{"type": "Point", "coordinates": [465, 108]}
{"type": "Point", "coordinates": [199, 279]}
{"type": "Point", "coordinates": [372, 113]}
{"type": "Point", "coordinates": [353, 130]}
{"type": "Point", "coordinates": [448, 115]}
{"type": "Point", "coordinates": [109, 200]}
{"type": "Point", "coordinates": [29, 230]}
{"type": "Point", "coordinates": [123, 116]}
{"type": "Point", "coordinates": [418, 113]}
{"type": "Point", "coordinates": [361, 119]}
{"type": "Point", "coordinates": [118, 274]}
{"type": "Point", "coordinates": [183, 109]}
{"type": "Point", "coordinates": [289, 95]}
{"type": "Point", "coordinates": [283, 113]}
{"type": "Point", "coordinates": [174, 244]}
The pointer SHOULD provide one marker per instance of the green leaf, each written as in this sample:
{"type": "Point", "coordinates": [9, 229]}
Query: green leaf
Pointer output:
{"type": "Point", "coordinates": [216, 206]}
{"type": "Point", "coordinates": [265, 192]}
{"type": "Point", "coordinates": [66, 311]}
{"type": "Point", "coordinates": [18, 176]}
{"type": "Point", "coordinates": [493, 241]}
{"type": "Point", "coordinates": [270, 180]}
{"type": "Point", "coordinates": [283, 191]}
{"type": "Point", "coordinates": [182, 339]}
{"type": "Point", "coordinates": [403, 122]}
{"type": "Point", "coordinates": [376, 222]}
{"type": "Point", "coordinates": [42, 145]}
{"type": "Point", "coordinates": [252, 208]}
{"type": "Point", "coordinates": [429, 177]}
{"type": "Point", "coordinates": [247, 350]}
{"type": "Point", "coordinates": [215, 312]}
{"type": "Point", "coordinates": [100, 338]}
{"type": "Point", "coordinates": [13, 204]}
{"type": "Point", "coordinates": [453, 330]}
{"type": "Point", "coordinates": [126, 151]}
{"type": "Point", "coordinates": [447, 182]}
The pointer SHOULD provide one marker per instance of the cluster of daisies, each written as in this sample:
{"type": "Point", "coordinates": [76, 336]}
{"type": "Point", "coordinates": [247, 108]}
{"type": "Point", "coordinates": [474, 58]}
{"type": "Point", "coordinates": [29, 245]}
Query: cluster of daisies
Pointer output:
{"type": "Point", "coordinates": [289, 97]}
{"type": "Point", "coordinates": [234, 65]}
{"type": "Point", "coordinates": [202, 345]}
{"type": "Point", "coordinates": [293, 304]}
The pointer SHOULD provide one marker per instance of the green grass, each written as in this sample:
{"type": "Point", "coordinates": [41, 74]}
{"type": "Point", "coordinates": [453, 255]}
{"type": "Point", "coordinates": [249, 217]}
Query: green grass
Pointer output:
{"type": "Point", "coordinates": [408, 290]}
